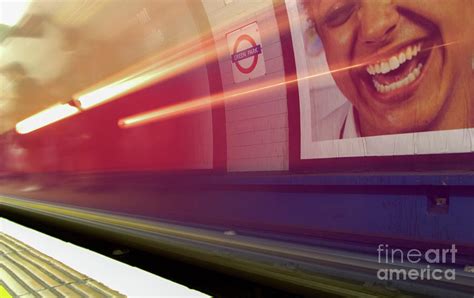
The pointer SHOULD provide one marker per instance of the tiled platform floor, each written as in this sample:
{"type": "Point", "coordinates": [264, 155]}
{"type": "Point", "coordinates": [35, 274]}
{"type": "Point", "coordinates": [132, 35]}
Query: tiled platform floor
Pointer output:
{"type": "Point", "coordinates": [26, 272]}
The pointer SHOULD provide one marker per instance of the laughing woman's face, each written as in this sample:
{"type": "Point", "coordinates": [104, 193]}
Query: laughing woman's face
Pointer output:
{"type": "Point", "coordinates": [408, 62]}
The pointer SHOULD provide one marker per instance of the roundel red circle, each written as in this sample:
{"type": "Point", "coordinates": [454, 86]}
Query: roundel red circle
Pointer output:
{"type": "Point", "coordinates": [249, 69]}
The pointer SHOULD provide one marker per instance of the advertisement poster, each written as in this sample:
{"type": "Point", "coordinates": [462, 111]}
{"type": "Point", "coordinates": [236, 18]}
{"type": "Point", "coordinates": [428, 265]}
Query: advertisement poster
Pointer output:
{"type": "Point", "coordinates": [384, 78]}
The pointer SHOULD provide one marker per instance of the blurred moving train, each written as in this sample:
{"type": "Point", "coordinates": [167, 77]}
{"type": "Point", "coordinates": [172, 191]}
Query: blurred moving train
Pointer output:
{"type": "Point", "coordinates": [128, 114]}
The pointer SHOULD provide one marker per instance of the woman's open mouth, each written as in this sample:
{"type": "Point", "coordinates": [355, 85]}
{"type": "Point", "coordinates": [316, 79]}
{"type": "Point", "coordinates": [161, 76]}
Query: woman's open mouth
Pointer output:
{"type": "Point", "coordinates": [394, 77]}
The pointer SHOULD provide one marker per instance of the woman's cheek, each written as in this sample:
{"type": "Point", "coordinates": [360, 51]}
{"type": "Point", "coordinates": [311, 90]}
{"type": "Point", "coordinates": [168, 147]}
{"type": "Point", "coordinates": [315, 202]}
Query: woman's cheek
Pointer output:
{"type": "Point", "coordinates": [346, 86]}
{"type": "Point", "coordinates": [338, 48]}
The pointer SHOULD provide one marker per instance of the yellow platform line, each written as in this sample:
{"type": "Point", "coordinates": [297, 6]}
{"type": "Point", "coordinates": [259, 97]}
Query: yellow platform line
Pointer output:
{"type": "Point", "coordinates": [4, 293]}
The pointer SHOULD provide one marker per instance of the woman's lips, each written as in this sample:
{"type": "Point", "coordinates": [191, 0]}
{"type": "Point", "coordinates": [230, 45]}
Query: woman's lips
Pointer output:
{"type": "Point", "coordinates": [391, 78]}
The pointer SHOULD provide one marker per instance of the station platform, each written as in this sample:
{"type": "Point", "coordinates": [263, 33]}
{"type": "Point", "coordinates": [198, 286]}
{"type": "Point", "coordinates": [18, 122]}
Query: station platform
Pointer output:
{"type": "Point", "coordinates": [33, 264]}
{"type": "Point", "coordinates": [25, 272]}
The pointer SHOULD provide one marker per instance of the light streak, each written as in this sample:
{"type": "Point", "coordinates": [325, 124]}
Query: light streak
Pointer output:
{"type": "Point", "coordinates": [204, 102]}
{"type": "Point", "coordinates": [45, 117]}
{"type": "Point", "coordinates": [443, 45]}
{"type": "Point", "coordinates": [109, 92]}
{"type": "Point", "coordinates": [189, 55]}
{"type": "Point", "coordinates": [134, 82]}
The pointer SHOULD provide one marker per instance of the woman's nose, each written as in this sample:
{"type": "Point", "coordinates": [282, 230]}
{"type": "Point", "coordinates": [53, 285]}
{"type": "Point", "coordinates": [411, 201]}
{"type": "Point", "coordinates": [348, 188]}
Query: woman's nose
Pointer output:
{"type": "Point", "coordinates": [378, 21]}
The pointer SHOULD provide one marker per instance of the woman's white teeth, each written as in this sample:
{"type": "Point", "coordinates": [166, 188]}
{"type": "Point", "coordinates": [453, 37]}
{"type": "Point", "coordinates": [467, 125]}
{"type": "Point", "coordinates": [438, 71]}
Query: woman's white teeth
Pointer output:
{"type": "Point", "coordinates": [413, 75]}
{"type": "Point", "coordinates": [395, 61]}
{"type": "Point", "coordinates": [402, 58]}
{"type": "Point", "coordinates": [410, 54]}
{"type": "Point", "coordinates": [385, 67]}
